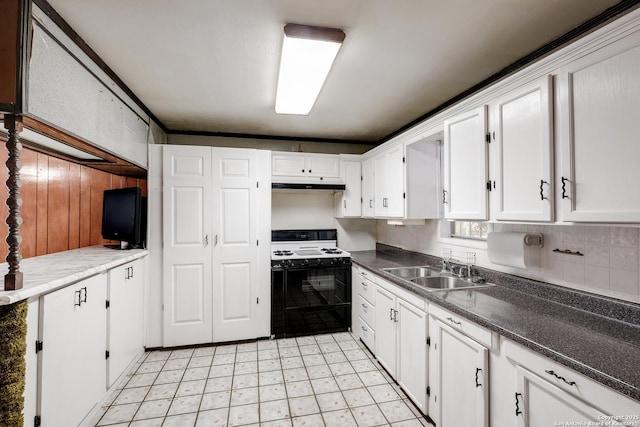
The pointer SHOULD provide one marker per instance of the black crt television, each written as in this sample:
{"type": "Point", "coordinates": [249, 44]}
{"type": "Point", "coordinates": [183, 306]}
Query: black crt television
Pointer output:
{"type": "Point", "coordinates": [124, 217]}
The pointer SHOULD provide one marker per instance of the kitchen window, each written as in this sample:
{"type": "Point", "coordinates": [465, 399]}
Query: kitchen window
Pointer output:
{"type": "Point", "coordinates": [473, 230]}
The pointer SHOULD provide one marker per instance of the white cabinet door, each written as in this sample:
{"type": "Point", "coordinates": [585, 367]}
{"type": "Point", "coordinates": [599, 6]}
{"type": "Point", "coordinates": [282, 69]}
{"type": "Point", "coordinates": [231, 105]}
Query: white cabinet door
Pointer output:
{"type": "Point", "coordinates": [288, 165]}
{"type": "Point", "coordinates": [323, 166]}
{"type": "Point", "coordinates": [412, 353]}
{"type": "Point", "coordinates": [187, 237]}
{"type": "Point", "coordinates": [389, 183]}
{"type": "Point", "coordinates": [317, 167]}
{"type": "Point", "coordinates": [458, 370]}
{"type": "Point", "coordinates": [465, 166]}
{"type": "Point", "coordinates": [386, 318]}
{"type": "Point", "coordinates": [73, 364]}
{"type": "Point", "coordinates": [521, 169]}
{"type": "Point", "coordinates": [237, 313]}
{"type": "Point", "coordinates": [349, 202]}
{"type": "Point", "coordinates": [125, 317]}
{"type": "Point", "coordinates": [367, 189]}
{"type": "Point", "coordinates": [598, 130]}
{"type": "Point", "coordinates": [538, 403]}
{"type": "Point", "coordinates": [395, 182]}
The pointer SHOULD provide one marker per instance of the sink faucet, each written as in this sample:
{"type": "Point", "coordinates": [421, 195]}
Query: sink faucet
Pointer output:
{"type": "Point", "coordinates": [446, 265]}
{"type": "Point", "coordinates": [460, 271]}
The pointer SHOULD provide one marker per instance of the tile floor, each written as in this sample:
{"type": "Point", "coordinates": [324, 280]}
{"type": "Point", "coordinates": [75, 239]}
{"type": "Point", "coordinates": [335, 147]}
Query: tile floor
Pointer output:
{"type": "Point", "coordinates": [322, 380]}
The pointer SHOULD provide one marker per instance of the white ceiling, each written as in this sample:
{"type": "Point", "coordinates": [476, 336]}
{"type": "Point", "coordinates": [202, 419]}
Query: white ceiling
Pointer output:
{"type": "Point", "coordinates": [211, 65]}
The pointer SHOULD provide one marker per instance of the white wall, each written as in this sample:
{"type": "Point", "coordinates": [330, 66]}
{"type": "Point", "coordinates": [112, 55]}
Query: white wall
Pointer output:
{"type": "Point", "coordinates": [609, 267]}
{"type": "Point", "coordinates": [291, 209]}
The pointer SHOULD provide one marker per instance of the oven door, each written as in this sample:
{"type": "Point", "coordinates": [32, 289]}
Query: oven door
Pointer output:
{"type": "Point", "coordinates": [310, 300]}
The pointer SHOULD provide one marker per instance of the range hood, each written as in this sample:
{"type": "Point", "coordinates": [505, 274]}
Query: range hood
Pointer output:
{"type": "Point", "coordinates": [307, 186]}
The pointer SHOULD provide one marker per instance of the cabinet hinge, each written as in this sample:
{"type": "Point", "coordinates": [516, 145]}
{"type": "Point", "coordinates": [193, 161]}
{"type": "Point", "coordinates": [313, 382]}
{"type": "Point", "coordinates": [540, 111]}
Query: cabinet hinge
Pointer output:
{"type": "Point", "coordinates": [403, 160]}
{"type": "Point", "coordinates": [361, 178]}
{"type": "Point", "coordinates": [429, 341]}
{"type": "Point", "coordinates": [257, 242]}
{"type": "Point", "coordinates": [38, 346]}
{"type": "Point", "coordinates": [489, 185]}
{"type": "Point", "coordinates": [257, 185]}
{"type": "Point", "coordinates": [257, 300]}
{"type": "Point", "coordinates": [106, 354]}
{"type": "Point", "coordinates": [37, 421]}
{"type": "Point", "coordinates": [107, 304]}
{"type": "Point", "coordinates": [404, 195]}
{"type": "Point", "coordinates": [488, 138]}
{"type": "Point", "coordinates": [428, 391]}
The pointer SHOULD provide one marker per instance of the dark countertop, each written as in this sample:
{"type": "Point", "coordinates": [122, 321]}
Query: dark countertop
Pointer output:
{"type": "Point", "coordinates": [603, 348]}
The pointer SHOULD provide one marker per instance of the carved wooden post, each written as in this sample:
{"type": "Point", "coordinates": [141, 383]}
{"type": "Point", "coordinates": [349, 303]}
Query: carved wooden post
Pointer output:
{"type": "Point", "coordinates": [13, 279]}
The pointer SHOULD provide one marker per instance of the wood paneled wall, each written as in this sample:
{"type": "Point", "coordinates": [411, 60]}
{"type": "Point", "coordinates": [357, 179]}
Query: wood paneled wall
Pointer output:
{"type": "Point", "coordinates": [61, 203]}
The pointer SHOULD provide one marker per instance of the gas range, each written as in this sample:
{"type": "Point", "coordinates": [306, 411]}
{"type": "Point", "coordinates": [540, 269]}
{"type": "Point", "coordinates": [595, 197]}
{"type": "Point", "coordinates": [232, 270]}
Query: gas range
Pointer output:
{"type": "Point", "coordinates": [310, 283]}
{"type": "Point", "coordinates": [302, 248]}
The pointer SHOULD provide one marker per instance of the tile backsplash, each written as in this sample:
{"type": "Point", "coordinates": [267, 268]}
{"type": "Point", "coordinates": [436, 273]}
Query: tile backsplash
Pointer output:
{"type": "Point", "coordinates": [609, 265]}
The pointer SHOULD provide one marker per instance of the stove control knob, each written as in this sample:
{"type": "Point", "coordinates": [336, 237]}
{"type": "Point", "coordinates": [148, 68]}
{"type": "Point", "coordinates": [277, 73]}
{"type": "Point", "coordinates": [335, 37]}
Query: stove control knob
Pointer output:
{"type": "Point", "coordinates": [333, 261]}
{"type": "Point", "coordinates": [286, 263]}
{"type": "Point", "coordinates": [319, 261]}
{"type": "Point", "coordinates": [305, 262]}
{"type": "Point", "coordinates": [339, 261]}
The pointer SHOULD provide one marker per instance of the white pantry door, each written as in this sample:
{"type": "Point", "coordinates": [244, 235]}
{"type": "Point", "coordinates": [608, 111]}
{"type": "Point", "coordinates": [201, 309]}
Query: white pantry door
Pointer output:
{"type": "Point", "coordinates": [236, 301]}
{"type": "Point", "coordinates": [187, 245]}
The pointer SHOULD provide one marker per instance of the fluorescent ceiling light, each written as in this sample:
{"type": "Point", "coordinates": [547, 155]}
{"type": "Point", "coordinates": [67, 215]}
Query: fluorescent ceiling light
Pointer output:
{"type": "Point", "coordinates": [307, 56]}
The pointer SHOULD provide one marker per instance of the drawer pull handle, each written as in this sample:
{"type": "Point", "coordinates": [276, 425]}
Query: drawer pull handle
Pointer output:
{"type": "Point", "coordinates": [452, 320]}
{"type": "Point", "coordinates": [364, 329]}
{"type": "Point", "coordinates": [561, 378]}
{"type": "Point", "coordinates": [518, 411]}
{"type": "Point", "coordinates": [477, 371]}
{"type": "Point", "coordinates": [365, 306]}
{"type": "Point", "coordinates": [364, 285]}
{"type": "Point", "coordinates": [395, 316]}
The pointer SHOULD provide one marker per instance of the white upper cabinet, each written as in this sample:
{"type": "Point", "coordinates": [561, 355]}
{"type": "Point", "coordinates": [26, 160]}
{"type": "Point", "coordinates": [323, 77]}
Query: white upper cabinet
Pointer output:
{"type": "Point", "coordinates": [367, 189]}
{"type": "Point", "coordinates": [389, 183]}
{"type": "Point", "coordinates": [323, 166]}
{"type": "Point", "coordinates": [599, 100]}
{"type": "Point", "coordinates": [305, 168]}
{"type": "Point", "coordinates": [348, 203]}
{"type": "Point", "coordinates": [423, 186]}
{"type": "Point", "coordinates": [465, 166]}
{"type": "Point", "coordinates": [521, 153]}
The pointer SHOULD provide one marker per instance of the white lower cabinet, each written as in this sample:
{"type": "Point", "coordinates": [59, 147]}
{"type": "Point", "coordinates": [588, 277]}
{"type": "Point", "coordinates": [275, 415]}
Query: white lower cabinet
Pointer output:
{"type": "Point", "coordinates": [125, 317]}
{"type": "Point", "coordinates": [363, 306]}
{"type": "Point", "coordinates": [546, 393]}
{"type": "Point", "coordinates": [401, 339]}
{"type": "Point", "coordinates": [80, 340]}
{"type": "Point", "coordinates": [73, 325]}
{"type": "Point", "coordinates": [458, 370]}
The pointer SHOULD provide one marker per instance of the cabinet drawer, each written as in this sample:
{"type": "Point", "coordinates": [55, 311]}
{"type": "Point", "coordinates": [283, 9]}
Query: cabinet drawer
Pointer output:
{"type": "Point", "coordinates": [366, 310]}
{"type": "Point", "coordinates": [366, 333]}
{"type": "Point", "coordinates": [478, 333]}
{"type": "Point", "coordinates": [365, 288]}
{"type": "Point", "coordinates": [572, 382]}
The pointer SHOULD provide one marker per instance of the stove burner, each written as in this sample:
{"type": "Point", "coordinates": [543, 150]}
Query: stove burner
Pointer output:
{"type": "Point", "coordinates": [331, 251]}
{"type": "Point", "coordinates": [283, 253]}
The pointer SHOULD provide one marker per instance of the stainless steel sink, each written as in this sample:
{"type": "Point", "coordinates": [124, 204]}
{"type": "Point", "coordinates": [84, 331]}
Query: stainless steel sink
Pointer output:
{"type": "Point", "coordinates": [433, 279]}
{"type": "Point", "coordinates": [447, 283]}
{"type": "Point", "coordinates": [409, 273]}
